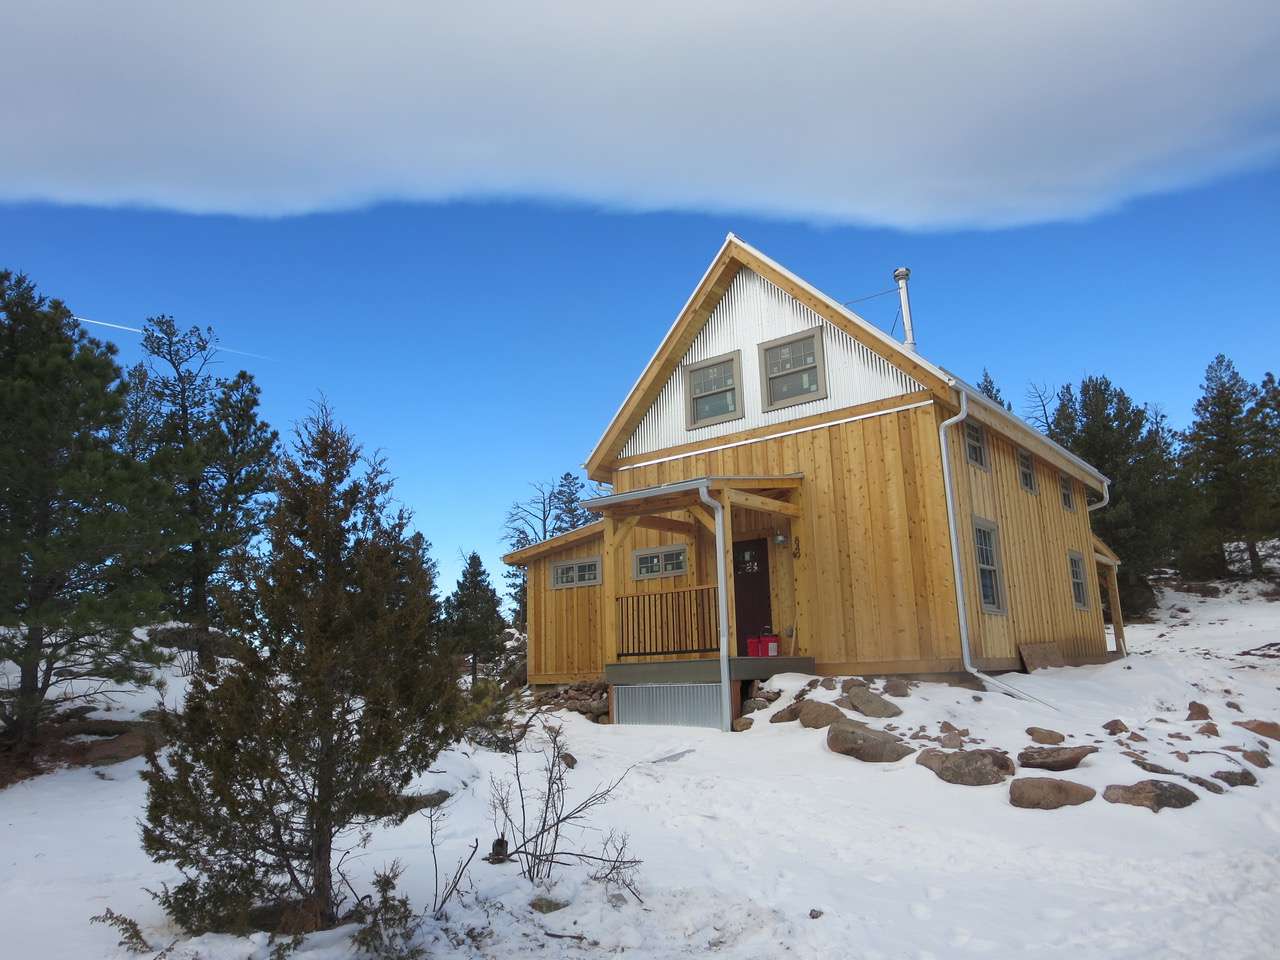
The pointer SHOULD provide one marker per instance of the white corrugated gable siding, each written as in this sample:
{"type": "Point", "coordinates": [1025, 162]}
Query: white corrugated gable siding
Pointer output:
{"type": "Point", "coordinates": [752, 312]}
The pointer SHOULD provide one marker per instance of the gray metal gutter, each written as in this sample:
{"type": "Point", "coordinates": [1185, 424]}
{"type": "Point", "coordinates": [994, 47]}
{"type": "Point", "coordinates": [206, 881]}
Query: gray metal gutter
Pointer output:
{"type": "Point", "coordinates": [680, 486]}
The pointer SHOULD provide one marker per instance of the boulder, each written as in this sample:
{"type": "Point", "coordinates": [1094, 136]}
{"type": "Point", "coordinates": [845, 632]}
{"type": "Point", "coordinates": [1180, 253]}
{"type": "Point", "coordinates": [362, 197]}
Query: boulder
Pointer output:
{"type": "Point", "coordinates": [1257, 757]}
{"type": "Point", "coordinates": [1197, 711]}
{"type": "Point", "coordinates": [855, 739]}
{"type": "Point", "coordinates": [1236, 778]}
{"type": "Point", "coordinates": [568, 759]}
{"type": "Point", "coordinates": [1178, 736]}
{"type": "Point", "coordinates": [843, 702]}
{"type": "Point", "coordinates": [897, 687]}
{"type": "Point", "coordinates": [852, 682]}
{"type": "Point", "coordinates": [970, 768]}
{"type": "Point", "coordinates": [946, 726]}
{"type": "Point", "coordinates": [952, 741]}
{"type": "Point", "coordinates": [828, 683]}
{"type": "Point", "coordinates": [1048, 793]}
{"type": "Point", "coordinates": [1209, 729]}
{"type": "Point", "coordinates": [1054, 758]}
{"type": "Point", "coordinates": [741, 724]}
{"type": "Point", "coordinates": [1155, 795]}
{"type": "Point", "coordinates": [787, 713]}
{"type": "Point", "coordinates": [1136, 737]}
{"type": "Point", "coordinates": [545, 904]}
{"type": "Point", "coordinates": [754, 704]}
{"type": "Point", "coordinates": [870, 704]}
{"type": "Point", "coordinates": [1235, 706]}
{"type": "Point", "coordinates": [1115, 727]}
{"type": "Point", "coordinates": [1263, 728]}
{"type": "Point", "coordinates": [811, 684]}
{"type": "Point", "coordinates": [1045, 736]}
{"type": "Point", "coordinates": [815, 715]}
{"type": "Point", "coordinates": [1205, 784]}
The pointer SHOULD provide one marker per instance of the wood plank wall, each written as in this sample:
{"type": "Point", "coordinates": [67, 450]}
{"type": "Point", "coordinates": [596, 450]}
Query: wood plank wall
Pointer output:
{"type": "Point", "coordinates": [565, 626]}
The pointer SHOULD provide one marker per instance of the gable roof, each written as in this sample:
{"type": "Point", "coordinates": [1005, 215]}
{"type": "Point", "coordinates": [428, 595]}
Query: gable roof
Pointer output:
{"type": "Point", "coordinates": [734, 255]}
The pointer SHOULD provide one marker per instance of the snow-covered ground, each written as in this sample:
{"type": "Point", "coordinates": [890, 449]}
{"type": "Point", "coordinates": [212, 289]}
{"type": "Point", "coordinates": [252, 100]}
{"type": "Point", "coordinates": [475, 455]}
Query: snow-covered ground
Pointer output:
{"type": "Point", "coordinates": [743, 835]}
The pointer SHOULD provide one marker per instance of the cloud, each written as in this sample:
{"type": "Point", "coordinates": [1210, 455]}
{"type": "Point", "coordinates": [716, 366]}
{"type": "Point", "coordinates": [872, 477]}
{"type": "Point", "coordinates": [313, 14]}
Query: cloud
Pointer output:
{"type": "Point", "coordinates": [918, 115]}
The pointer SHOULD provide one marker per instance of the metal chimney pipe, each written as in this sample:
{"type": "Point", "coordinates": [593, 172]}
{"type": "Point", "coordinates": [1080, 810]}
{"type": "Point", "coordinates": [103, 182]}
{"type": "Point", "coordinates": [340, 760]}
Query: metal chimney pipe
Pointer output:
{"type": "Point", "coordinates": [902, 274]}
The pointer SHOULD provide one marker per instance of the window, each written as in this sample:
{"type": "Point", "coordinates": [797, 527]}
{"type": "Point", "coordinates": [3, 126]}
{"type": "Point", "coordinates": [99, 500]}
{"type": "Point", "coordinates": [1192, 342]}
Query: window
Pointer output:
{"type": "Point", "coordinates": [987, 549]}
{"type": "Point", "coordinates": [713, 390]}
{"type": "Point", "coordinates": [1079, 593]}
{"type": "Point", "coordinates": [1068, 492]}
{"type": "Point", "coordinates": [661, 562]}
{"type": "Point", "coordinates": [975, 444]}
{"type": "Point", "coordinates": [575, 573]}
{"type": "Point", "coordinates": [792, 370]}
{"type": "Point", "coordinates": [1027, 471]}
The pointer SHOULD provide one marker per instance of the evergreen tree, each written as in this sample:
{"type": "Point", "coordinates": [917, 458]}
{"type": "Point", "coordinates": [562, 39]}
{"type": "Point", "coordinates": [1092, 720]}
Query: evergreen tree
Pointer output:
{"type": "Point", "coordinates": [473, 616]}
{"type": "Point", "coordinates": [1263, 513]}
{"type": "Point", "coordinates": [987, 387]}
{"type": "Point", "coordinates": [343, 691]}
{"type": "Point", "coordinates": [77, 518]}
{"type": "Point", "coordinates": [212, 451]}
{"type": "Point", "coordinates": [1133, 446]}
{"type": "Point", "coordinates": [566, 502]}
{"type": "Point", "coordinates": [1221, 456]}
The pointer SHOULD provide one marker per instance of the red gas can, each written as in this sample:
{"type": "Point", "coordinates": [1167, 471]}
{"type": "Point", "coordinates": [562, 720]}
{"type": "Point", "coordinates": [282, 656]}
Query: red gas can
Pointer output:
{"type": "Point", "coordinates": [753, 647]}
{"type": "Point", "coordinates": [769, 645]}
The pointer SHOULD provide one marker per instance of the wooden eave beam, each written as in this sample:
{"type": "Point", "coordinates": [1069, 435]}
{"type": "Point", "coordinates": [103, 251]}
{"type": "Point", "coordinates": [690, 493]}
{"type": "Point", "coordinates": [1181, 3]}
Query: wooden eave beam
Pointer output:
{"type": "Point", "coordinates": [667, 524]}
{"type": "Point", "coordinates": [703, 516]}
{"type": "Point", "coordinates": [751, 501]}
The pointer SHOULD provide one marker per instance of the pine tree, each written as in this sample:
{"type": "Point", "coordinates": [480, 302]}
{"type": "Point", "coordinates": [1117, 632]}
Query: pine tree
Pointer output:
{"type": "Point", "coordinates": [473, 616]}
{"type": "Point", "coordinates": [213, 452]}
{"type": "Point", "coordinates": [77, 519]}
{"type": "Point", "coordinates": [987, 387]}
{"type": "Point", "coordinates": [1262, 516]}
{"type": "Point", "coordinates": [566, 502]}
{"type": "Point", "coordinates": [343, 691]}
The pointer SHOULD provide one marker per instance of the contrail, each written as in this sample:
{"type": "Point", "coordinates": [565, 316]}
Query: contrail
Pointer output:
{"type": "Point", "coordinates": [121, 326]}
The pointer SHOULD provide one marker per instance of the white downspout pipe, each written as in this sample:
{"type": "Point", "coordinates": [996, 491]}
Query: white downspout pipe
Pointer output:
{"type": "Point", "coordinates": [957, 568]}
{"type": "Point", "coordinates": [722, 593]}
{"type": "Point", "coordinates": [1106, 497]}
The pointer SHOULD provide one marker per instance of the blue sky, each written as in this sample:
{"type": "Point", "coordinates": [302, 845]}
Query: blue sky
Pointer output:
{"type": "Point", "coordinates": [485, 345]}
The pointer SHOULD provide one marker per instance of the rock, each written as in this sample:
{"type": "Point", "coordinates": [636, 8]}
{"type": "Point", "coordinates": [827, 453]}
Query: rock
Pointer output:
{"type": "Point", "coordinates": [1197, 711]}
{"type": "Point", "coordinates": [547, 904]}
{"type": "Point", "coordinates": [1236, 778]}
{"type": "Point", "coordinates": [1181, 756]}
{"type": "Point", "coordinates": [946, 726]}
{"type": "Point", "coordinates": [741, 724]}
{"type": "Point", "coordinates": [1155, 795]}
{"type": "Point", "coordinates": [1209, 729]}
{"type": "Point", "coordinates": [758, 691]}
{"type": "Point", "coordinates": [568, 759]}
{"type": "Point", "coordinates": [1206, 784]}
{"type": "Point", "coordinates": [1114, 727]}
{"type": "Point", "coordinates": [1257, 757]}
{"type": "Point", "coordinates": [1150, 767]}
{"type": "Point", "coordinates": [897, 687]}
{"type": "Point", "coordinates": [815, 913]}
{"type": "Point", "coordinates": [852, 682]}
{"type": "Point", "coordinates": [1178, 736]}
{"type": "Point", "coordinates": [754, 704]}
{"type": "Point", "coordinates": [1048, 793]}
{"type": "Point", "coordinates": [1235, 706]}
{"type": "Point", "coordinates": [970, 768]}
{"type": "Point", "coordinates": [1054, 758]}
{"type": "Point", "coordinates": [1263, 728]}
{"type": "Point", "coordinates": [843, 702]}
{"type": "Point", "coordinates": [870, 704]}
{"type": "Point", "coordinates": [828, 683]}
{"type": "Point", "coordinates": [770, 695]}
{"type": "Point", "coordinates": [1045, 736]}
{"type": "Point", "coordinates": [1136, 737]}
{"type": "Point", "coordinates": [855, 739]}
{"type": "Point", "coordinates": [952, 741]}
{"type": "Point", "coordinates": [813, 683]}
{"type": "Point", "coordinates": [815, 715]}
{"type": "Point", "coordinates": [787, 713]}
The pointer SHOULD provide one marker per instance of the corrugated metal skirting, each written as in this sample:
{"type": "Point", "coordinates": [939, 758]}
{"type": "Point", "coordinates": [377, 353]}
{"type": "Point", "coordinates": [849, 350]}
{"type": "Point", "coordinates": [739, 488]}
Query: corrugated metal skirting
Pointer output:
{"type": "Point", "coordinates": [674, 704]}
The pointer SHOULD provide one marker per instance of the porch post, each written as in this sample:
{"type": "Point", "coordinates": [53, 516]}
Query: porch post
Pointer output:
{"type": "Point", "coordinates": [1117, 617]}
{"type": "Point", "coordinates": [724, 532]}
{"type": "Point", "coordinates": [609, 591]}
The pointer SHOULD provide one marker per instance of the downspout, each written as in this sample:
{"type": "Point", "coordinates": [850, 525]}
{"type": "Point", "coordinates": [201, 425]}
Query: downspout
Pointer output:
{"type": "Point", "coordinates": [1106, 497]}
{"type": "Point", "coordinates": [957, 568]}
{"type": "Point", "coordinates": [722, 592]}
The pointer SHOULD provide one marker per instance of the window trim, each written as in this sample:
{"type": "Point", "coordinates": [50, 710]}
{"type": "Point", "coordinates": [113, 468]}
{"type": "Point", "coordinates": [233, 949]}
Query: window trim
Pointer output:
{"type": "Point", "coordinates": [1031, 469]}
{"type": "Point", "coordinates": [1002, 597]}
{"type": "Point", "coordinates": [558, 565]}
{"type": "Point", "coordinates": [820, 364]}
{"type": "Point", "coordinates": [1084, 579]}
{"type": "Point", "coordinates": [681, 548]}
{"type": "Point", "coordinates": [983, 445]}
{"type": "Point", "coordinates": [739, 396]}
{"type": "Point", "coordinates": [1067, 492]}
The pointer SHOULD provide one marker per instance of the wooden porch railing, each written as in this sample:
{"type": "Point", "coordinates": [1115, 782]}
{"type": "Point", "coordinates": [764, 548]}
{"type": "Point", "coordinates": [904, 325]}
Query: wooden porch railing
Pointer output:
{"type": "Point", "coordinates": [661, 624]}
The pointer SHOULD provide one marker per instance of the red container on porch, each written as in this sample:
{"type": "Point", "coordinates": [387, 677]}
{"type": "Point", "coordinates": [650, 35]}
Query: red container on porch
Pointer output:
{"type": "Point", "coordinates": [753, 647]}
{"type": "Point", "coordinates": [768, 645]}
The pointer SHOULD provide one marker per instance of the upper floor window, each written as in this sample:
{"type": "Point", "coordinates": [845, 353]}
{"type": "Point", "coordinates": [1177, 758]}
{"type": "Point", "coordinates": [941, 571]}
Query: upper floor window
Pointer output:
{"type": "Point", "coordinates": [1068, 492]}
{"type": "Point", "coordinates": [1079, 593]}
{"type": "Point", "coordinates": [975, 443]}
{"type": "Point", "coordinates": [792, 370]}
{"type": "Point", "coordinates": [661, 562]}
{"type": "Point", "coordinates": [575, 573]}
{"type": "Point", "coordinates": [713, 390]}
{"type": "Point", "coordinates": [987, 553]}
{"type": "Point", "coordinates": [1027, 471]}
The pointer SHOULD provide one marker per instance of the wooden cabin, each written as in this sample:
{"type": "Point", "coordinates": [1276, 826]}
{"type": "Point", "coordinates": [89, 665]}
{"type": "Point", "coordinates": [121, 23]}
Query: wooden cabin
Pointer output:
{"type": "Point", "coordinates": [780, 468]}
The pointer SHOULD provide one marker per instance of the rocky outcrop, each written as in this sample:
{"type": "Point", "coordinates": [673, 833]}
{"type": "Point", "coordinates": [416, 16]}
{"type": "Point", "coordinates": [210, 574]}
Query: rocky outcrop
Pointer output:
{"type": "Point", "coordinates": [1048, 793]}
{"type": "Point", "coordinates": [1155, 795]}
{"type": "Point", "coordinates": [1115, 727]}
{"type": "Point", "coordinates": [1263, 728]}
{"type": "Point", "coordinates": [1236, 778]}
{"type": "Point", "coordinates": [970, 768]}
{"type": "Point", "coordinates": [1054, 758]}
{"type": "Point", "coordinates": [1209, 729]}
{"type": "Point", "coordinates": [855, 739]}
{"type": "Point", "coordinates": [1197, 711]}
{"type": "Point", "coordinates": [1045, 736]}
{"type": "Point", "coordinates": [1258, 758]}
{"type": "Point", "coordinates": [816, 715]}
{"type": "Point", "coordinates": [870, 704]}
{"type": "Point", "coordinates": [591, 699]}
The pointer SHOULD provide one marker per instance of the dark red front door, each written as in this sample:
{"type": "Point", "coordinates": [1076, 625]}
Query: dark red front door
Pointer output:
{"type": "Point", "coordinates": [751, 590]}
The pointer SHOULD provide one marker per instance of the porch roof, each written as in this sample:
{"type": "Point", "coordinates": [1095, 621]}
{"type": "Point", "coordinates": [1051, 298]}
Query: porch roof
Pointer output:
{"type": "Point", "coordinates": [678, 490]}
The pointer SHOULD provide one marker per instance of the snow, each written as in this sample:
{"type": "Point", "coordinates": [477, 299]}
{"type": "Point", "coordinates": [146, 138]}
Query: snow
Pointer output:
{"type": "Point", "coordinates": [742, 835]}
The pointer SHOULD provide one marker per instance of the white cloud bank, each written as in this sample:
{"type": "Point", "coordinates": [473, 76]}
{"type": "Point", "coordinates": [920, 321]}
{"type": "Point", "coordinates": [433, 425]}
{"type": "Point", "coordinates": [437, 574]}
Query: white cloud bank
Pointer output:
{"type": "Point", "coordinates": [917, 115]}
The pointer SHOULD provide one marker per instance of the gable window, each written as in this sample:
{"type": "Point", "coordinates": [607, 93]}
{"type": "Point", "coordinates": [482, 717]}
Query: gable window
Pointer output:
{"type": "Point", "coordinates": [1068, 492]}
{"type": "Point", "coordinates": [661, 562]}
{"type": "Point", "coordinates": [1079, 593]}
{"type": "Point", "coordinates": [792, 370]}
{"type": "Point", "coordinates": [975, 443]}
{"type": "Point", "coordinates": [713, 390]}
{"type": "Point", "coordinates": [575, 573]}
{"type": "Point", "coordinates": [1027, 471]}
{"type": "Point", "coordinates": [987, 552]}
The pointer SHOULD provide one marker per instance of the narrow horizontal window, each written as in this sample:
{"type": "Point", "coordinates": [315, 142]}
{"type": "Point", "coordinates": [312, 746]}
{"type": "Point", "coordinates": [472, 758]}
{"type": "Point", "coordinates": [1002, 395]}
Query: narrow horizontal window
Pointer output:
{"type": "Point", "coordinates": [975, 444]}
{"type": "Point", "coordinates": [1079, 591]}
{"type": "Point", "coordinates": [1068, 492]}
{"type": "Point", "coordinates": [987, 554]}
{"type": "Point", "coordinates": [1027, 471]}
{"type": "Point", "coordinates": [661, 562]}
{"type": "Point", "coordinates": [575, 573]}
{"type": "Point", "coordinates": [792, 370]}
{"type": "Point", "coordinates": [713, 390]}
